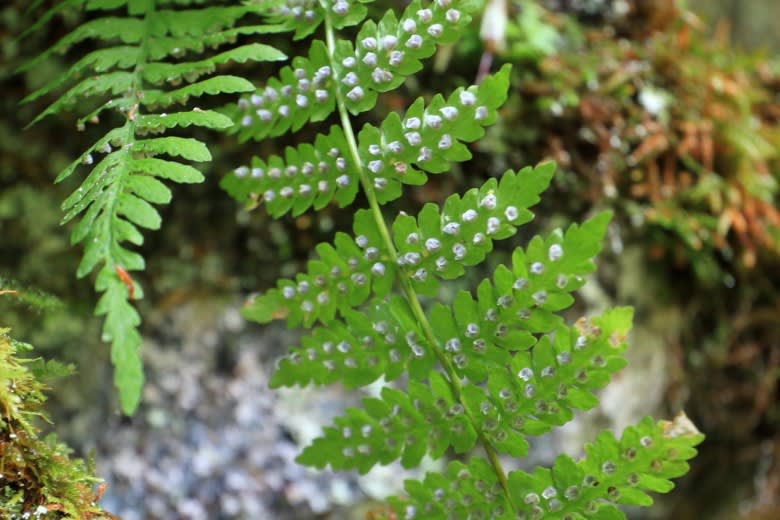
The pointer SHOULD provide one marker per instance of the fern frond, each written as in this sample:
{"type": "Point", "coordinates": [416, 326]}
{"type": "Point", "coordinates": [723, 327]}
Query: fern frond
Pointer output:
{"type": "Point", "coordinates": [462, 491]}
{"type": "Point", "coordinates": [489, 368]}
{"type": "Point", "coordinates": [383, 56]}
{"type": "Point", "coordinates": [357, 351]}
{"type": "Point", "coordinates": [613, 471]}
{"type": "Point", "coordinates": [343, 277]}
{"type": "Point", "coordinates": [427, 419]}
{"type": "Point", "coordinates": [305, 16]}
{"type": "Point", "coordinates": [540, 387]}
{"type": "Point", "coordinates": [433, 245]}
{"type": "Point", "coordinates": [426, 137]}
{"type": "Point", "coordinates": [309, 175]}
{"type": "Point", "coordinates": [441, 242]}
{"type": "Point", "coordinates": [645, 459]}
{"type": "Point", "coordinates": [117, 199]}
{"type": "Point", "coordinates": [478, 333]}
{"type": "Point", "coordinates": [523, 394]}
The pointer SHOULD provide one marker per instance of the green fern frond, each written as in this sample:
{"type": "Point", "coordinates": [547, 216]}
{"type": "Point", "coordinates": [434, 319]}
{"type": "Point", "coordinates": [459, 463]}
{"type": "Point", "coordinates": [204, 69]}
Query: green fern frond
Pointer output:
{"type": "Point", "coordinates": [405, 426]}
{"type": "Point", "coordinates": [342, 278]}
{"type": "Point", "coordinates": [490, 368]}
{"type": "Point", "coordinates": [382, 57]}
{"type": "Point", "coordinates": [440, 243]}
{"type": "Point", "coordinates": [305, 16]}
{"type": "Point", "coordinates": [506, 397]}
{"type": "Point", "coordinates": [357, 351]}
{"type": "Point", "coordinates": [140, 74]}
{"type": "Point", "coordinates": [394, 154]}
{"type": "Point", "coordinates": [432, 246]}
{"type": "Point", "coordinates": [645, 459]}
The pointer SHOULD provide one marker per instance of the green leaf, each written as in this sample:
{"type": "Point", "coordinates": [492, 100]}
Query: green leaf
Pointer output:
{"type": "Point", "coordinates": [149, 189]}
{"type": "Point", "coordinates": [159, 72]}
{"type": "Point", "coordinates": [138, 211]}
{"type": "Point", "coordinates": [188, 148]}
{"type": "Point", "coordinates": [396, 426]}
{"type": "Point", "coordinates": [307, 176]}
{"type": "Point", "coordinates": [355, 351]}
{"type": "Point", "coordinates": [182, 173]}
{"type": "Point", "coordinates": [112, 83]}
{"type": "Point", "coordinates": [101, 60]}
{"type": "Point", "coordinates": [387, 153]}
{"type": "Point", "coordinates": [177, 46]}
{"type": "Point", "coordinates": [462, 233]}
{"type": "Point", "coordinates": [203, 118]}
{"type": "Point", "coordinates": [340, 279]}
{"type": "Point", "coordinates": [469, 490]}
{"type": "Point", "coordinates": [304, 91]}
{"type": "Point", "coordinates": [214, 85]}
{"type": "Point", "coordinates": [126, 30]}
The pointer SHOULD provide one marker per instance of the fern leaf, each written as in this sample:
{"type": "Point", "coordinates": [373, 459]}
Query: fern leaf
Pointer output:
{"type": "Point", "coordinates": [176, 172]}
{"type": "Point", "coordinates": [125, 29]}
{"type": "Point", "coordinates": [101, 60]}
{"type": "Point", "coordinates": [343, 277]}
{"type": "Point", "coordinates": [111, 83]}
{"type": "Point", "coordinates": [364, 346]}
{"type": "Point", "coordinates": [214, 85]}
{"type": "Point", "coordinates": [469, 490]}
{"type": "Point", "coordinates": [156, 73]}
{"type": "Point", "coordinates": [46, 17]}
{"type": "Point", "coordinates": [479, 333]}
{"type": "Point", "coordinates": [117, 198]}
{"type": "Point", "coordinates": [307, 176]}
{"type": "Point", "coordinates": [389, 153]}
{"type": "Point", "coordinates": [346, 276]}
{"type": "Point", "coordinates": [201, 21]}
{"type": "Point", "coordinates": [178, 46]}
{"type": "Point", "coordinates": [383, 56]}
{"type": "Point", "coordinates": [386, 53]}
{"type": "Point", "coordinates": [158, 123]}
{"type": "Point", "coordinates": [613, 471]}
{"type": "Point", "coordinates": [440, 243]}
{"type": "Point", "coordinates": [395, 426]}
{"type": "Point", "coordinates": [307, 16]}
{"type": "Point", "coordinates": [431, 137]}
{"type": "Point", "coordinates": [517, 403]}
{"type": "Point", "coordinates": [542, 386]}
{"type": "Point", "coordinates": [303, 92]}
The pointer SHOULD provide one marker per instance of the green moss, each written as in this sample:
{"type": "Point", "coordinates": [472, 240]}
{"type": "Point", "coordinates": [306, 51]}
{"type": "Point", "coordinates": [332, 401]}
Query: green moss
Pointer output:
{"type": "Point", "coordinates": [37, 475]}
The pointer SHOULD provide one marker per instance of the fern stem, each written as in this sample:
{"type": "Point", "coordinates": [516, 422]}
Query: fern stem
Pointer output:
{"type": "Point", "coordinates": [411, 295]}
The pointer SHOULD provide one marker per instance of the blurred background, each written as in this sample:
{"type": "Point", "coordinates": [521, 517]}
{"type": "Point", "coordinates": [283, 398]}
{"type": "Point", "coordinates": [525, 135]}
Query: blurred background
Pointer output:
{"type": "Point", "coordinates": [666, 112]}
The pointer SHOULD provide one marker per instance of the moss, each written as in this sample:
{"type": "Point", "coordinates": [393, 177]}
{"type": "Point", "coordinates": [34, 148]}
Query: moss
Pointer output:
{"type": "Point", "coordinates": [38, 477]}
{"type": "Point", "coordinates": [674, 127]}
